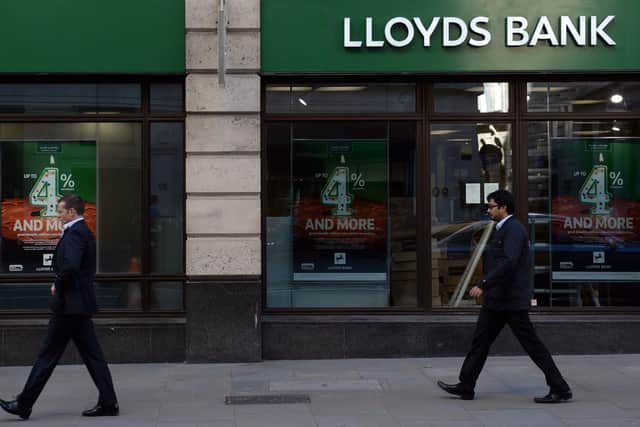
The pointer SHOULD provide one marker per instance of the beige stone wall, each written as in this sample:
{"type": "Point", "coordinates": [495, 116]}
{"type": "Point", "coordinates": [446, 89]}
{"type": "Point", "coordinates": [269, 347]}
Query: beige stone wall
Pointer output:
{"type": "Point", "coordinates": [223, 140]}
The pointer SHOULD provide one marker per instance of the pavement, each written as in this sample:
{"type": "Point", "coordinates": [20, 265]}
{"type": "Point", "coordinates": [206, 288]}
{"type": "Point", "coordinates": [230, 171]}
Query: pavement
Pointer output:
{"type": "Point", "coordinates": [342, 393]}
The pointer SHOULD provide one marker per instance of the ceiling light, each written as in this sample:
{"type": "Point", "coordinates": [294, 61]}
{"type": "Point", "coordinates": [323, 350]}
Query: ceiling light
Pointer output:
{"type": "Point", "coordinates": [443, 131]}
{"type": "Point", "coordinates": [590, 132]}
{"type": "Point", "coordinates": [272, 88]}
{"type": "Point", "coordinates": [546, 89]}
{"type": "Point", "coordinates": [302, 101]}
{"type": "Point", "coordinates": [616, 98]}
{"type": "Point", "coordinates": [340, 88]}
{"type": "Point", "coordinates": [587, 101]}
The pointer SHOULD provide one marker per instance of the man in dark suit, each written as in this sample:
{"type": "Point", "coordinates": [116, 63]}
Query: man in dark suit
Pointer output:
{"type": "Point", "coordinates": [73, 304]}
{"type": "Point", "coordinates": [506, 292]}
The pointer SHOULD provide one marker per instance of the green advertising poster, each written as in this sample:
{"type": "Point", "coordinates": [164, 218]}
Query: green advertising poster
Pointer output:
{"type": "Point", "coordinates": [595, 209]}
{"type": "Point", "coordinates": [35, 174]}
{"type": "Point", "coordinates": [339, 210]}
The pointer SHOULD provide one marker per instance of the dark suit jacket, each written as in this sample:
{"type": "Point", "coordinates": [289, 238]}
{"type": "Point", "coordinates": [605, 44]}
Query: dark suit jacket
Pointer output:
{"type": "Point", "coordinates": [75, 266]}
{"type": "Point", "coordinates": [507, 282]}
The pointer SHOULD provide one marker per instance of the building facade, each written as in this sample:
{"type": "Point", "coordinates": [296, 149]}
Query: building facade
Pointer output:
{"type": "Point", "coordinates": [284, 179]}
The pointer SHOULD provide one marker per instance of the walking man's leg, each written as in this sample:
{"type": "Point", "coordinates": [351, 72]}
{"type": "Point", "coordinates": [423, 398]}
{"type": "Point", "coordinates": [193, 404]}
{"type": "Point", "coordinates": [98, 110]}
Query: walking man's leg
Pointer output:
{"type": "Point", "coordinates": [488, 326]}
{"type": "Point", "coordinates": [84, 337]}
{"type": "Point", "coordinates": [52, 349]}
{"type": "Point", "coordinates": [49, 356]}
{"type": "Point", "coordinates": [525, 333]}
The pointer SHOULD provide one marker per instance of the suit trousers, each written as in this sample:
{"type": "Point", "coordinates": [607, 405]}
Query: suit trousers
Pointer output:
{"type": "Point", "coordinates": [62, 329]}
{"type": "Point", "coordinates": [490, 323]}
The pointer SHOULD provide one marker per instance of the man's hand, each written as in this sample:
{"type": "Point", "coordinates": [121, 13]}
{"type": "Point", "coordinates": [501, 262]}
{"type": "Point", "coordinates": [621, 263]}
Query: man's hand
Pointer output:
{"type": "Point", "coordinates": [53, 289]}
{"type": "Point", "coordinates": [475, 292]}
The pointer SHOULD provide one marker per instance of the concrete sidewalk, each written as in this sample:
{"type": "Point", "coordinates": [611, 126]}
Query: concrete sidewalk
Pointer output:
{"type": "Point", "coordinates": [343, 393]}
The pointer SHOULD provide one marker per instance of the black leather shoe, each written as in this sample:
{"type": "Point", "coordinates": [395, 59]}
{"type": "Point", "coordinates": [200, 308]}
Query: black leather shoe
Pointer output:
{"type": "Point", "coordinates": [101, 410]}
{"type": "Point", "coordinates": [457, 389]}
{"type": "Point", "coordinates": [13, 407]}
{"type": "Point", "coordinates": [554, 397]}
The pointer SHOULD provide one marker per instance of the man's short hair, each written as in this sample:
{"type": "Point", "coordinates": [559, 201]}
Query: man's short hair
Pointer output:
{"type": "Point", "coordinates": [503, 198]}
{"type": "Point", "coordinates": [73, 201]}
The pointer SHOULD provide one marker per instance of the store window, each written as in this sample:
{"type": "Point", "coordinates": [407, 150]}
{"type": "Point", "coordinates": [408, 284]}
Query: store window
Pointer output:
{"type": "Point", "coordinates": [583, 97]}
{"type": "Point", "coordinates": [70, 98]}
{"type": "Point", "coordinates": [582, 206]}
{"type": "Point", "coordinates": [341, 214]}
{"type": "Point", "coordinates": [310, 98]}
{"type": "Point", "coordinates": [584, 212]}
{"type": "Point", "coordinates": [485, 97]}
{"type": "Point", "coordinates": [468, 162]}
{"type": "Point", "coordinates": [102, 160]}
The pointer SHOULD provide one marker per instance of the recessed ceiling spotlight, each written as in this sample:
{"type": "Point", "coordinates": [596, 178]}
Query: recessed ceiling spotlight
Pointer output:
{"type": "Point", "coordinates": [616, 98]}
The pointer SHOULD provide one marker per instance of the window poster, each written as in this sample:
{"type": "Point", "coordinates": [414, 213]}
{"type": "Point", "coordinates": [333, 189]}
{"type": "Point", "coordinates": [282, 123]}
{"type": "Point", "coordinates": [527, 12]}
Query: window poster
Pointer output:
{"type": "Point", "coordinates": [340, 210]}
{"type": "Point", "coordinates": [35, 174]}
{"type": "Point", "coordinates": [595, 207]}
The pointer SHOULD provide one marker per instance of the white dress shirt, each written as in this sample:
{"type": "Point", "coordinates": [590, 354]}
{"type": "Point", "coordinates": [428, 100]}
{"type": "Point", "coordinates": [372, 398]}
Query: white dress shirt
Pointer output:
{"type": "Point", "coordinates": [502, 221]}
{"type": "Point", "coordinates": [70, 224]}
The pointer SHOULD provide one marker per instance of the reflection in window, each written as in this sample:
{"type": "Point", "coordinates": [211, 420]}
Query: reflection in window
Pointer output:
{"type": "Point", "coordinates": [584, 212]}
{"type": "Point", "coordinates": [341, 98]}
{"type": "Point", "coordinates": [25, 296]}
{"type": "Point", "coordinates": [34, 98]}
{"type": "Point", "coordinates": [166, 295]}
{"type": "Point", "coordinates": [583, 97]}
{"type": "Point", "coordinates": [468, 162]}
{"type": "Point", "coordinates": [166, 98]}
{"type": "Point", "coordinates": [341, 214]}
{"type": "Point", "coordinates": [166, 217]}
{"type": "Point", "coordinates": [36, 296]}
{"type": "Point", "coordinates": [119, 295]}
{"type": "Point", "coordinates": [99, 161]}
{"type": "Point", "coordinates": [488, 97]}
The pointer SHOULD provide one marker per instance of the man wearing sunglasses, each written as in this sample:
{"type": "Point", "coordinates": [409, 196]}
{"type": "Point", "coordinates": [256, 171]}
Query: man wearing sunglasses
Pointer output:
{"type": "Point", "coordinates": [506, 291]}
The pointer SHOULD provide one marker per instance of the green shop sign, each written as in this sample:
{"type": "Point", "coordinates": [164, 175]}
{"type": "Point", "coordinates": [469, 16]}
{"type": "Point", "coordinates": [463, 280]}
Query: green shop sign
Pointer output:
{"type": "Point", "coordinates": [334, 36]}
{"type": "Point", "coordinates": [92, 36]}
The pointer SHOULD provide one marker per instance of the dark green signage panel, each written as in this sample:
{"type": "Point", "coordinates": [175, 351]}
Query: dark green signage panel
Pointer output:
{"type": "Point", "coordinates": [376, 36]}
{"type": "Point", "coordinates": [92, 36]}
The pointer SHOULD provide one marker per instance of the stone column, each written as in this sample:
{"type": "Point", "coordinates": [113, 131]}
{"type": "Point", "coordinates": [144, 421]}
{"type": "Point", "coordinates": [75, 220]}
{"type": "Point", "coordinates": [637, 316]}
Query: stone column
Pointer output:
{"type": "Point", "coordinates": [223, 183]}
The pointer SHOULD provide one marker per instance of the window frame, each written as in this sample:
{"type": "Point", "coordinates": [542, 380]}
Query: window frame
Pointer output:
{"type": "Point", "coordinates": [424, 116]}
{"type": "Point", "coordinates": [145, 118]}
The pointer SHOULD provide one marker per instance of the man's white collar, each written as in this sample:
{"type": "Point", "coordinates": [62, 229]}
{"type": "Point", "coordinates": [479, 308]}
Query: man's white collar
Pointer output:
{"type": "Point", "coordinates": [70, 223]}
{"type": "Point", "coordinates": [502, 221]}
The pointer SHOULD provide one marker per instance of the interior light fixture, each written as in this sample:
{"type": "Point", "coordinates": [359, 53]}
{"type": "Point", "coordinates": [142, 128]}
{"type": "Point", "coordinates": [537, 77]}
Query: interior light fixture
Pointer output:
{"type": "Point", "coordinates": [272, 88]}
{"type": "Point", "coordinates": [545, 89]}
{"type": "Point", "coordinates": [590, 132]}
{"type": "Point", "coordinates": [443, 131]}
{"type": "Point", "coordinates": [616, 98]}
{"type": "Point", "coordinates": [587, 101]}
{"type": "Point", "coordinates": [615, 127]}
{"type": "Point", "coordinates": [341, 88]}
{"type": "Point", "coordinates": [302, 101]}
